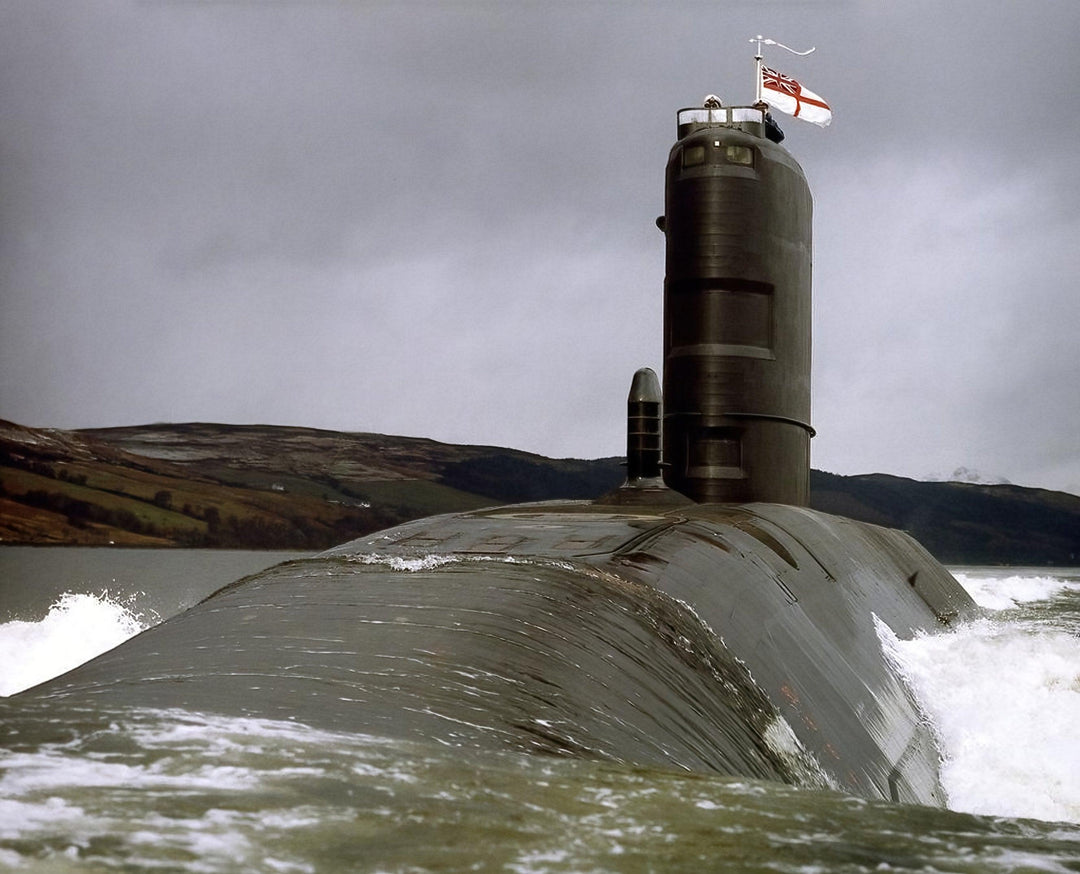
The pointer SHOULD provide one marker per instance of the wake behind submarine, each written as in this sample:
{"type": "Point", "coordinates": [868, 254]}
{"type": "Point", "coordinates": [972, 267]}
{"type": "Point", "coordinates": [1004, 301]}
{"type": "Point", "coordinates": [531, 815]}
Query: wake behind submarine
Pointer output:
{"type": "Point", "coordinates": [701, 617]}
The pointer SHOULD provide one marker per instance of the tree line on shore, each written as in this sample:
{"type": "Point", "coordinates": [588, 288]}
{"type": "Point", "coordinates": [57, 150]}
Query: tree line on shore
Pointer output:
{"type": "Point", "coordinates": [209, 528]}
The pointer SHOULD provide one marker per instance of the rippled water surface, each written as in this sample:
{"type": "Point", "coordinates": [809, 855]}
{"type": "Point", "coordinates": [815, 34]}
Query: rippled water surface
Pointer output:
{"type": "Point", "coordinates": [177, 791]}
{"type": "Point", "coordinates": [94, 788]}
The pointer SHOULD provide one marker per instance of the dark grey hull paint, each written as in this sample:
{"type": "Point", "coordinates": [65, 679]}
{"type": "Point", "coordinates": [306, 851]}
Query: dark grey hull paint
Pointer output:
{"type": "Point", "coordinates": [737, 639]}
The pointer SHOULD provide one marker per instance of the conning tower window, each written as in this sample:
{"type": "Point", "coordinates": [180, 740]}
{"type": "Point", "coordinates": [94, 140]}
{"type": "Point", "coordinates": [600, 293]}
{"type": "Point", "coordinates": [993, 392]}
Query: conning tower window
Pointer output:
{"type": "Point", "coordinates": [692, 156]}
{"type": "Point", "coordinates": [717, 152]}
{"type": "Point", "coordinates": [739, 155]}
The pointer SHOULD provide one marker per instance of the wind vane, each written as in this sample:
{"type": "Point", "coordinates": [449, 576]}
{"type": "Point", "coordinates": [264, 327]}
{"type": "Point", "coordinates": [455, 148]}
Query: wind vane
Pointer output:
{"type": "Point", "coordinates": [760, 40]}
{"type": "Point", "coordinates": [784, 93]}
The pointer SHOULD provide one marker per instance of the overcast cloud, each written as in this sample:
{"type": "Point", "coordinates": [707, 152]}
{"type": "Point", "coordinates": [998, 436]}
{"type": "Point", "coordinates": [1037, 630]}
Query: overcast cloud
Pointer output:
{"type": "Point", "coordinates": [436, 219]}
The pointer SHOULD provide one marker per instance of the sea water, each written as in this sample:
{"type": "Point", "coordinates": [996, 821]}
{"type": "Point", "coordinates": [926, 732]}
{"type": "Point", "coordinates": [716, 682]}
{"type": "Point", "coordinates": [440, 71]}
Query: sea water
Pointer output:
{"type": "Point", "coordinates": [171, 790]}
{"type": "Point", "coordinates": [61, 606]}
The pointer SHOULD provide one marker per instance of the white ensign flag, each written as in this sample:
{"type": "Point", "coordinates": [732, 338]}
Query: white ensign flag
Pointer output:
{"type": "Point", "coordinates": [784, 93]}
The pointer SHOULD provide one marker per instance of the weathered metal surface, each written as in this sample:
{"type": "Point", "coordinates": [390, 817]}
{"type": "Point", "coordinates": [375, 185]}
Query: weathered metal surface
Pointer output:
{"type": "Point", "coordinates": [738, 640]}
{"type": "Point", "coordinates": [738, 216]}
{"type": "Point", "coordinates": [644, 416]}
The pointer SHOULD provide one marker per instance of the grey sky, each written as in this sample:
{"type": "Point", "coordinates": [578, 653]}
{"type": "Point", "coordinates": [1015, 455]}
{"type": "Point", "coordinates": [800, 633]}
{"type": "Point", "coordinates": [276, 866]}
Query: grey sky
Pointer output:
{"type": "Point", "coordinates": [436, 219]}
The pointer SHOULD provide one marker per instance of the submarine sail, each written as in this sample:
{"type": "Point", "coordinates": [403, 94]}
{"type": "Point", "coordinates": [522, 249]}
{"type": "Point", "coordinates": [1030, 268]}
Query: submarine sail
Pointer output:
{"type": "Point", "coordinates": [737, 221]}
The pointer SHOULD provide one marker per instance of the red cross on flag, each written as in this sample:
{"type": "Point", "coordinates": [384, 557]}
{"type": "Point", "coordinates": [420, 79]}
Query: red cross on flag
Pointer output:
{"type": "Point", "coordinates": [784, 93]}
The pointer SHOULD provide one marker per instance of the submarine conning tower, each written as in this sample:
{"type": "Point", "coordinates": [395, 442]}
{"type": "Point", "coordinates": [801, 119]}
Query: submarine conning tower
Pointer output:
{"type": "Point", "coordinates": [736, 384]}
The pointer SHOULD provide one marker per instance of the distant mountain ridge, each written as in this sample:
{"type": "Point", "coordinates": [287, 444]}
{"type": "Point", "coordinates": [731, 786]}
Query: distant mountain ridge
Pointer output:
{"type": "Point", "coordinates": [961, 523]}
{"type": "Point", "coordinates": [263, 486]}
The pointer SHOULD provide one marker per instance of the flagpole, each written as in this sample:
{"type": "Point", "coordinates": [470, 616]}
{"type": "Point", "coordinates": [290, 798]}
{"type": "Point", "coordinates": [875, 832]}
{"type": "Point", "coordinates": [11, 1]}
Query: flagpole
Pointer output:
{"type": "Point", "coordinates": [758, 58]}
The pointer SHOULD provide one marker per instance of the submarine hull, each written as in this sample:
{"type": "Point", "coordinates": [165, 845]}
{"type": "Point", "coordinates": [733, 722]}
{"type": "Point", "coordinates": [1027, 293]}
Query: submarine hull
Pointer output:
{"type": "Point", "coordinates": [731, 639]}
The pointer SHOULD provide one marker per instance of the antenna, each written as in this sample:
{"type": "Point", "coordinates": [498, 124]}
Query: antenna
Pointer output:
{"type": "Point", "coordinates": [760, 40]}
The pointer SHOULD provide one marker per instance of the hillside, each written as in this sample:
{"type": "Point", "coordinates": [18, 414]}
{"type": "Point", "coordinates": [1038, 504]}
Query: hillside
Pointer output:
{"type": "Point", "coordinates": [255, 486]}
{"type": "Point", "coordinates": [961, 523]}
{"type": "Point", "coordinates": [263, 486]}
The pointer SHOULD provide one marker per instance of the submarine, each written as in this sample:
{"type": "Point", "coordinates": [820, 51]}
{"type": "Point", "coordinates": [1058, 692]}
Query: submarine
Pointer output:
{"type": "Point", "coordinates": [701, 617]}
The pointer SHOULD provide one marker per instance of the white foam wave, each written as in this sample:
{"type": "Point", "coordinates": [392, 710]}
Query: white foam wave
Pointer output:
{"type": "Point", "coordinates": [996, 592]}
{"type": "Point", "coordinates": [1005, 702]}
{"type": "Point", "coordinates": [412, 564]}
{"type": "Point", "coordinates": [77, 628]}
{"type": "Point", "coordinates": [202, 792]}
{"type": "Point", "coordinates": [404, 563]}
